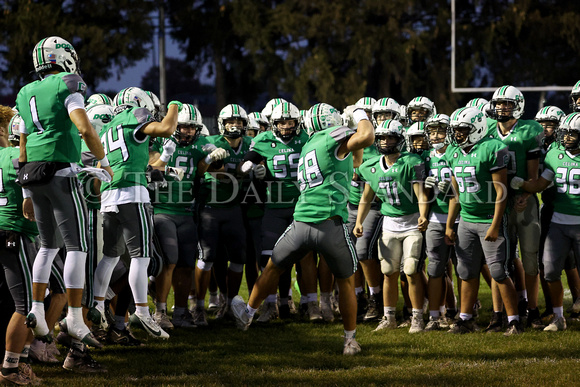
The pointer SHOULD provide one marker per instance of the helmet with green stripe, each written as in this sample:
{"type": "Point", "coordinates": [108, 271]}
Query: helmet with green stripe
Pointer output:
{"type": "Point", "coordinates": [267, 111]}
{"type": "Point", "coordinates": [477, 102]}
{"type": "Point", "coordinates": [99, 115]}
{"type": "Point", "coordinates": [232, 121]}
{"type": "Point", "coordinates": [423, 108]}
{"type": "Point", "coordinates": [575, 98]}
{"type": "Point", "coordinates": [551, 117]}
{"type": "Point", "coordinates": [320, 117]}
{"type": "Point", "coordinates": [133, 97]}
{"type": "Point", "coordinates": [435, 124]}
{"type": "Point", "coordinates": [569, 132]}
{"type": "Point", "coordinates": [467, 126]}
{"type": "Point", "coordinates": [55, 54]}
{"type": "Point", "coordinates": [514, 108]}
{"type": "Point", "coordinates": [14, 129]}
{"type": "Point", "coordinates": [188, 118]}
{"type": "Point", "coordinates": [285, 112]}
{"type": "Point", "coordinates": [390, 128]}
{"type": "Point", "coordinates": [417, 137]}
{"type": "Point", "coordinates": [366, 103]}
{"type": "Point", "coordinates": [261, 120]}
{"type": "Point", "coordinates": [382, 108]}
{"type": "Point", "coordinates": [157, 104]}
{"type": "Point", "coordinates": [99, 99]}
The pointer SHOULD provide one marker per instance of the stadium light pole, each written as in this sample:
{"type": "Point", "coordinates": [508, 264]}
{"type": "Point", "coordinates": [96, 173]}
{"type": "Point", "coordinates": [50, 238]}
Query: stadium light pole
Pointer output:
{"type": "Point", "coordinates": [161, 41]}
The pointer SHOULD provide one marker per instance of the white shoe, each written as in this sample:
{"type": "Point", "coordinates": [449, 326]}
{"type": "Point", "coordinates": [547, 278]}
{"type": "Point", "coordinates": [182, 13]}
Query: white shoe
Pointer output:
{"type": "Point", "coordinates": [150, 325]}
{"type": "Point", "coordinates": [214, 302]}
{"type": "Point", "coordinates": [162, 319]}
{"type": "Point", "coordinates": [433, 324]}
{"type": "Point", "coordinates": [557, 324]}
{"type": "Point", "coordinates": [351, 347]}
{"type": "Point", "coordinates": [326, 311]}
{"type": "Point", "coordinates": [80, 331]}
{"type": "Point", "coordinates": [576, 306]}
{"type": "Point", "coordinates": [269, 312]}
{"type": "Point", "coordinates": [387, 322]}
{"type": "Point", "coordinates": [417, 325]}
{"type": "Point", "coordinates": [243, 319]}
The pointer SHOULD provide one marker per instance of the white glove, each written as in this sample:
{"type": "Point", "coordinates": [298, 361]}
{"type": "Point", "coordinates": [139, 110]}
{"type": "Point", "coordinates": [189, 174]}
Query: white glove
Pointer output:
{"type": "Point", "coordinates": [517, 182]}
{"type": "Point", "coordinates": [216, 155]}
{"type": "Point", "coordinates": [444, 186]}
{"type": "Point", "coordinates": [175, 172]}
{"type": "Point", "coordinates": [430, 182]}
{"type": "Point", "coordinates": [99, 173]}
{"type": "Point", "coordinates": [168, 149]}
{"type": "Point", "coordinates": [247, 167]}
{"type": "Point", "coordinates": [348, 118]}
{"type": "Point", "coordinates": [208, 148]}
{"type": "Point", "coordinates": [260, 171]}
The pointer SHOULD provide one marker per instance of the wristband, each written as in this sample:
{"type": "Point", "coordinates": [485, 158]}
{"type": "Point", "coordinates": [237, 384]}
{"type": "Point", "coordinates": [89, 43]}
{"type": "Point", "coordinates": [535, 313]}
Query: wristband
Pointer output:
{"type": "Point", "coordinates": [104, 162]}
{"type": "Point", "coordinates": [358, 115]}
{"type": "Point", "coordinates": [26, 193]}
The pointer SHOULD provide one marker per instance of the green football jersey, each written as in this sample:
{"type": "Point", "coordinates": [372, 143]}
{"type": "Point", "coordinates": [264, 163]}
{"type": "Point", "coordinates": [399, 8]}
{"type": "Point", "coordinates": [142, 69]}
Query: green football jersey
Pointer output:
{"type": "Point", "coordinates": [324, 179]}
{"type": "Point", "coordinates": [524, 143]}
{"type": "Point", "coordinates": [177, 196]}
{"type": "Point", "coordinates": [565, 169]}
{"type": "Point", "coordinates": [225, 188]}
{"type": "Point", "coordinates": [394, 184]}
{"type": "Point", "coordinates": [356, 185]}
{"type": "Point", "coordinates": [51, 134]}
{"type": "Point", "coordinates": [437, 165]}
{"type": "Point", "coordinates": [127, 148]}
{"type": "Point", "coordinates": [11, 217]}
{"type": "Point", "coordinates": [549, 194]}
{"type": "Point", "coordinates": [473, 172]}
{"type": "Point", "coordinates": [281, 167]}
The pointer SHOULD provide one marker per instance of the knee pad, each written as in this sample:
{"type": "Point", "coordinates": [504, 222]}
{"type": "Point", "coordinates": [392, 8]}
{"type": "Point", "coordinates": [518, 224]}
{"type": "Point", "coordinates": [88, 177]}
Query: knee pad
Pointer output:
{"type": "Point", "coordinates": [436, 269]}
{"type": "Point", "coordinates": [497, 272]}
{"type": "Point", "coordinates": [236, 267]}
{"type": "Point", "coordinates": [203, 265]}
{"type": "Point", "coordinates": [410, 265]}
{"type": "Point", "coordinates": [387, 268]}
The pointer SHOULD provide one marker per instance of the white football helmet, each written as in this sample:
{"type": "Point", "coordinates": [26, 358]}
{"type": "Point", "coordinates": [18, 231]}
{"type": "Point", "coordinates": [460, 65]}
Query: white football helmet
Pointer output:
{"type": "Point", "coordinates": [386, 105]}
{"type": "Point", "coordinates": [204, 131]}
{"type": "Point", "coordinates": [232, 111]}
{"type": "Point", "coordinates": [417, 129]}
{"type": "Point", "coordinates": [468, 117]}
{"type": "Point", "coordinates": [574, 95]}
{"type": "Point", "coordinates": [14, 129]}
{"type": "Point", "coordinates": [285, 111]}
{"type": "Point", "coordinates": [267, 110]}
{"type": "Point", "coordinates": [419, 103]}
{"type": "Point", "coordinates": [55, 53]}
{"type": "Point", "coordinates": [157, 104]}
{"type": "Point", "coordinates": [320, 117]}
{"type": "Point", "coordinates": [436, 122]}
{"type": "Point", "coordinates": [99, 115]}
{"type": "Point", "coordinates": [570, 125]}
{"type": "Point", "coordinates": [366, 103]}
{"type": "Point", "coordinates": [551, 113]}
{"type": "Point", "coordinates": [191, 117]}
{"type": "Point", "coordinates": [134, 97]}
{"type": "Point", "coordinates": [390, 128]}
{"type": "Point", "coordinates": [477, 102]}
{"type": "Point", "coordinates": [99, 99]}
{"type": "Point", "coordinates": [509, 94]}
{"type": "Point", "coordinates": [260, 119]}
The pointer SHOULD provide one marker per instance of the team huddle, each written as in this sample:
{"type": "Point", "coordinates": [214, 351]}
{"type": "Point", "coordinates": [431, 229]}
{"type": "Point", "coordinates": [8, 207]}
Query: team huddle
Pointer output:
{"type": "Point", "coordinates": [105, 202]}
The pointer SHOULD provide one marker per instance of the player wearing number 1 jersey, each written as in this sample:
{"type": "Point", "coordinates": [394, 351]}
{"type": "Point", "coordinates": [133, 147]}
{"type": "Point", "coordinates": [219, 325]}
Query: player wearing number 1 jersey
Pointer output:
{"type": "Point", "coordinates": [324, 172]}
{"type": "Point", "coordinates": [479, 167]}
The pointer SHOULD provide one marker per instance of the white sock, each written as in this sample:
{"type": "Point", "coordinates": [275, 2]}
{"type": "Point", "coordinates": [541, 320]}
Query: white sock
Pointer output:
{"type": "Point", "coordinates": [251, 311]}
{"type": "Point", "coordinates": [74, 269]}
{"type": "Point", "coordinates": [102, 275]}
{"type": "Point", "coordinates": [161, 306]}
{"type": "Point", "coordinates": [375, 289]}
{"type": "Point", "coordinates": [389, 310]}
{"type": "Point", "coordinates": [43, 264]}
{"type": "Point", "coordinates": [312, 297]}
{"type": "Point", "coordinates": [142, 310]}
{"type": "Point", "coordinates": [558, 311]}
{"type": "Point", "coordinates": [358, 290]}
{"type": "Point", "coordinates": [11, 360]}
{"type": "Point", "coordinates": [138, 279]}
{"type": "Point", "coordinates": [512, 318]}
{"type": "Point", "coordinates": [465, 316]}
{"type": "Point", "coordinates": [271, 298]}
{"type": "Point", "coordinates": [349, 334]}
{"type": "Point", "coordinates": [434, 313]}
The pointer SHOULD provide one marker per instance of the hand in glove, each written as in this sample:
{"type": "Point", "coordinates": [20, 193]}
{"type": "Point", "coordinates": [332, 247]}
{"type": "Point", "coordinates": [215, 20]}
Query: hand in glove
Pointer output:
{"type": "Point", "coordinates": [208, 148]}
{"type": "Point", "coordinates": [260, 171]}
{"type": "Point", "coordinates": [168, 149]}
{"type": "Point", "coordinates": [517, 183]}
{"type": "Point", "coordinates": [444, 186]}
{"type": "Point", "coordinates": [216, 155]}
{"type": "Point", "coordinates": [430, 182]}
{"type": "Point", "coordinates": [175, 172]}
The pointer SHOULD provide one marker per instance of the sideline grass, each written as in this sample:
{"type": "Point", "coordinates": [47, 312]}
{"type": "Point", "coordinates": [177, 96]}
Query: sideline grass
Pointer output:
{"type": "Point", "coordinates": [299, 353]}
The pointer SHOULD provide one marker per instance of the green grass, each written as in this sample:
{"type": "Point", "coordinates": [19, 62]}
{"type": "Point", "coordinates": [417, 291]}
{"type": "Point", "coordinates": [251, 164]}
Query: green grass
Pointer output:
{"type": "Point", "coordinates": [310, 354]}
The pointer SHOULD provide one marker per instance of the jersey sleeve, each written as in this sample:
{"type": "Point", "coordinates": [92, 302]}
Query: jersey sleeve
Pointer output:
{"type": "Point", "coordinates": [341, 133]}
{"type": "Point", "coordinates": [75, 84]}
{"type": "Point", "coordinates": [143, 117]}
{"type": "Point", "coordinates": [499, 159]}
{"type": "Point", "coordinates": [534, 143]}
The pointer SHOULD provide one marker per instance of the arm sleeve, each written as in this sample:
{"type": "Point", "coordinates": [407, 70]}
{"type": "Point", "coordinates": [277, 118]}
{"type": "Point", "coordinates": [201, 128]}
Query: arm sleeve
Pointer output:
{"type": "Point", "coordinates": [74, 101]}
{"type": "Point", "coordinates": [254, 157]}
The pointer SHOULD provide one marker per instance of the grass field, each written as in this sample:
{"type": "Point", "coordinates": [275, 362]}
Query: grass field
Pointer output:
{"type": "Point", "coordinates": [297, 353]}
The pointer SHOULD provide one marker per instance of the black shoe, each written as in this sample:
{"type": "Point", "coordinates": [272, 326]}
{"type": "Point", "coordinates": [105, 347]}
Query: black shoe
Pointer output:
{"type": "Point", "coordinates": [495, 324]}
{"type": "Point", "coordinates": [123, 337]}
{"type": "Point", "coordinates": [534, 320]}
{"type": "Point", "coordinates": [375, 307]}
{"type": "Point", "coordinates": [514, 328]}
{"type": "Point", "coordinates": [523, 311]}
{"type": "Point", "coordinates": [284, 311]}
{"type": "Point", "coordinates": [463, 326]}
{"type": "Point", "coordinates": [362, 305]}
